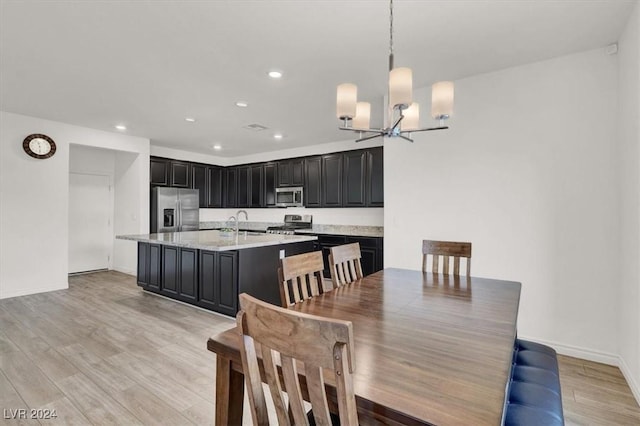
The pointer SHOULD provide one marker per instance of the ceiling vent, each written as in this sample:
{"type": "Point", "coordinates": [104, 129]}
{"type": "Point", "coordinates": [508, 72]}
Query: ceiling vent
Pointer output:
{"type": "Point", "coordinates": [255, 127]}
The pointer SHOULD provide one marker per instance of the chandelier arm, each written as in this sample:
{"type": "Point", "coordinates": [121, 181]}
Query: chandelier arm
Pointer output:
{"type": "Point", "coordinates": [426, 129]}
{"type": "Point", "coordinates": [397, 123]}
{"type": "Point", "coordinates": [366, 138]}
{"type": "Point", "coordinates": [362, 130]}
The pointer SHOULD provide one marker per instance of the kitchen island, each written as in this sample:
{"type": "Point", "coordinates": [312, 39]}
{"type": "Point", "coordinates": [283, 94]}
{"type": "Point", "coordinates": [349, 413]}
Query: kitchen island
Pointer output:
{"type": "Point", "coordinates": [210, 268]}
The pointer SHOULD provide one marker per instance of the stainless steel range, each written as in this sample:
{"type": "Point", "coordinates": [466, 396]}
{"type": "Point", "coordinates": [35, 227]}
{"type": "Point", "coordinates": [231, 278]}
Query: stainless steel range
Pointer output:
{"type": "Point", "coordinates": [292, 222]}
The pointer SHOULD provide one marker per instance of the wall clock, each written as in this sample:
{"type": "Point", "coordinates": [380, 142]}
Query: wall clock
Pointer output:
{"type": "Point", "coordinates": [39, 146]}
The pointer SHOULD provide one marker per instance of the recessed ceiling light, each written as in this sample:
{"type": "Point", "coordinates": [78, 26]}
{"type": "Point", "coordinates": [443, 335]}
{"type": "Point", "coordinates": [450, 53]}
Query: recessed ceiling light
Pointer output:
{"type": "Point", "coordinates": [190, 119]}
{"type": "Point", "coordinates": [242, 104]}
{"type": "Point", "coordinates": [275, 74]}
{"type": "Point", "coordinates": [121, 127]}
{"type": "Point", "coordinates": [277, 136]}
{"type": "Point", "coordinates": [217, 147]}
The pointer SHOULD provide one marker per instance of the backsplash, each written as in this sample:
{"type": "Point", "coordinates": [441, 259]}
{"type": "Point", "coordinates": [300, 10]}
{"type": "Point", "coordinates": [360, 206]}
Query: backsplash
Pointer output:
{"type": "Point", "coordinates": [341, 216]}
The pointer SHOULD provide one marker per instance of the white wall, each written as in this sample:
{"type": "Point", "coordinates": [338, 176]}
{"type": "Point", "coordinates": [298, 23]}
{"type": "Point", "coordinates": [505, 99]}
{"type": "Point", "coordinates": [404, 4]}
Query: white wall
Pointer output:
{"type": "Point", "coordinates": [629, 159]}
{"type": "Point", "coordinates": [34, 196]}
{"type": "Point", "coordinates": [528, 174]}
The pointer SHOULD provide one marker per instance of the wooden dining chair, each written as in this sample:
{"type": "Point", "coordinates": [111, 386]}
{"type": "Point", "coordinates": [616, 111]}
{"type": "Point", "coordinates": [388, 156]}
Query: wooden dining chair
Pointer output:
{"type": "Point", "coordinates": [446, 249]}
{"type": "Point", "coordinates": [300, 277]}
{"type": "Point", "coordinates": [344, 263]}
{"type": "Point", "coordinates": [288, 338]}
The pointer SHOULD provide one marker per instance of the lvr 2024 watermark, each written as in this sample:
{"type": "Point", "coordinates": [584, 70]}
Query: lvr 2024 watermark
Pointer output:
{"type": "Point", "coordinates": [23, 413]}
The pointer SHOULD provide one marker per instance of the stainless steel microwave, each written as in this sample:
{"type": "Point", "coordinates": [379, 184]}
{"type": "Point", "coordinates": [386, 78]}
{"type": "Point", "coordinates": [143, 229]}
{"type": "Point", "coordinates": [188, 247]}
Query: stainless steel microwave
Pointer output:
{"type": "Point", "coordinates": [289, 197]}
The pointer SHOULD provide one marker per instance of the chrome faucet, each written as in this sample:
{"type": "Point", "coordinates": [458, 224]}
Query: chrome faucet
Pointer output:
{"type": "Point", "coordinates": [246, 217]}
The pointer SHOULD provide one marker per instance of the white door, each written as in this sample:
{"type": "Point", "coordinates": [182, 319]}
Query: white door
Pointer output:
{"type": "Point", "coordinates": [90, 238]}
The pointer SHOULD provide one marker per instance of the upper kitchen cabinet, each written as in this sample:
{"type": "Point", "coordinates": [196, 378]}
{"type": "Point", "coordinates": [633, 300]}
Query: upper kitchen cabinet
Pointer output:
{"type": "Point", "coordinates": [199, 182]}
{"type": "Point", "coordinates": [291, 172]}
{"type": "Point", "coordinates": [180, 174]}
{"type": "Point", "coordinates": [355, 179]}
{"type": "Point", "coordinates": [375, 177]}
{"type": "Point", "coordinates": [159, 171]}
{"type": "Point", "coordinates": [331, 182]}
{"type": "Point", "coordinates": [230, 189]}
{"type": "Point", "coordinates": [270, 184]}
{"type": "Point", "coordinates": [214, 186]}
{"type": "Point", "coordinates": [256, 186]}
{"type": "Point", "coordinates": [244, 186]}
{"type": "Point", "coordinates": [313, 181]}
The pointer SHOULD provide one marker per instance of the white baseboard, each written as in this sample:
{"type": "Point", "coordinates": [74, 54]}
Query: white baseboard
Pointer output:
{"type": "Point", "coordinates": [578, 352]}
{"type": "Point", "coordinates": [596, 356]}
{"type": "Point", "coordinates": [633, 384]}
{"type": "Point", "coordinates": [33, 290]}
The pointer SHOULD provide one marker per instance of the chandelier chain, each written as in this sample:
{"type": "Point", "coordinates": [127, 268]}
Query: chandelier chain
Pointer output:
{"type": "Point", "coordinates": [390, 27]}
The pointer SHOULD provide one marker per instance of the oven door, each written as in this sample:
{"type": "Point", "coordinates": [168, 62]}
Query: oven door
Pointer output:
{"type": "Point", "coordinates": [289, 197]}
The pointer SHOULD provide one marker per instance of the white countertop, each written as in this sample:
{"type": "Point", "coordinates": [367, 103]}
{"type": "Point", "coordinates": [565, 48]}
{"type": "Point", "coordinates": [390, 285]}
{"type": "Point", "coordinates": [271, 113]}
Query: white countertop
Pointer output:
{"type": "Point", "coordinates": [216, 240]}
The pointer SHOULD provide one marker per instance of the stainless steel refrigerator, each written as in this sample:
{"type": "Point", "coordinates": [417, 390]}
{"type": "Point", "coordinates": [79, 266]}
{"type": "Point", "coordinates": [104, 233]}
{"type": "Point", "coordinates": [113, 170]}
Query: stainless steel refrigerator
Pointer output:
{"type": "Point", "coordinates": [175, 210]}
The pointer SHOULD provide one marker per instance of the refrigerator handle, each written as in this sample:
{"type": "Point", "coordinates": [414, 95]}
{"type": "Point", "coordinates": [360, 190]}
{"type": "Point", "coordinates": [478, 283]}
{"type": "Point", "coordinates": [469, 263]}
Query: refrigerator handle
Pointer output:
{"type": "Point", "coordinates": [177, 216]}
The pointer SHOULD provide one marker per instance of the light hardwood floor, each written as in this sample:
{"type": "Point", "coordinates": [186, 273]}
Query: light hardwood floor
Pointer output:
{"type": "Point", "coordinates": [105, 352]}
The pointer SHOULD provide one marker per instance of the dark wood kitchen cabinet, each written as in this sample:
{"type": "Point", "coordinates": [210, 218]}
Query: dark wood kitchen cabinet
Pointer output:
{"type": "Point", "coordinates": [375, 177]}
{"type": "Point", "coordinates": [149, 261]}
{"type": "Point", "coordinates": [219, 281]}
{"type": "Point", "coordinates": [313, 182]}
{"type": "Point", "coordinates": [256, 186]}
{"type": "Point", "coordinates": [180, 273]}
{"type": "Point", "coordinates": [169, 271]}
{"type": "Point", "coordinates": [371, 249]}
{"type": "Point", "coordinates": [159, 171]}
{"type": "Point", "coordinates": [355, 179]}
{"type": "Point", "coordinates": [244, 186]}
{"type": "Point", "coordinates": [291, 172]}
{"type": "Point", "coordinates": [342, 179]}
{"type": "Point", "coordinates": [180, 174]}
{"type": "Point", "coordinates": [230, 190]}
{"type": "Point", "coordinates": [214, 186]}
{"type": "Point", "coordinates": [199, 182]}
{"type": "Point", "coordinates": [270, 184]}
{"type": "Point", "coordinates": [331, 182]}
{"type": "Point", "coordinates": [213, 279]}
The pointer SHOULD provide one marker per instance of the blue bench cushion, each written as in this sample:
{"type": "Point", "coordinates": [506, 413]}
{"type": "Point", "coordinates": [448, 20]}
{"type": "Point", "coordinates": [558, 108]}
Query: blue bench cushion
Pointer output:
{"type": "Point", "coordinates": [537, 396]}
{"type": "Point", "coordinates": [538, 376]}
{"type": "Point", "coordinates": [537, 359]}
{"type": "Point", "coordinates": [524, 345]}
{"type": "Point", "coordinates": [522, 415]}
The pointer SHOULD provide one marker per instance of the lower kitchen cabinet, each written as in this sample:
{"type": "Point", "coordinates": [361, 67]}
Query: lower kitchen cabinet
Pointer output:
{"type": "Point", "coordinates": [213, 279]}
{"type": "Point", "coordinates": [179, 273]}
{"type": "Point", "coordinates": [149, 261]}
{"type": "Point", "coordinates": [218, 281]}
{"type": "Point", "coordinates": [371, 249]}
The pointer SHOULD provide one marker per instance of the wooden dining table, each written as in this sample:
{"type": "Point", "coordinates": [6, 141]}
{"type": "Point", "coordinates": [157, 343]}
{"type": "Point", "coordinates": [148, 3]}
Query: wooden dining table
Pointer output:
{"type": "Point", "coordinates": [430, 349]}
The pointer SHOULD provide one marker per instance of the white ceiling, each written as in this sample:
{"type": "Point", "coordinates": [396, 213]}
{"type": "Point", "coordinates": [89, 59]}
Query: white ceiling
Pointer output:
{"type": "Point", "coordinates": [150, 64]}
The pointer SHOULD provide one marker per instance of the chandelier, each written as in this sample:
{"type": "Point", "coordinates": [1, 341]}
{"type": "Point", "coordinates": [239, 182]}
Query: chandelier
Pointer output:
{"type": "Point", "coordinates": [403, 112]}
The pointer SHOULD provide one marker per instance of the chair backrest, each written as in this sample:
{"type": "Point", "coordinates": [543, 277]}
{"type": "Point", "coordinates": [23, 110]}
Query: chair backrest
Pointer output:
{"type": "Point", "coordinates": [287, 338]}
{"type": "Point", "coordinates": [300, 277]}
{"type": "Point", "coordinates": [344, 263]}
{"type": "Point", "coordinates": [446, 249]}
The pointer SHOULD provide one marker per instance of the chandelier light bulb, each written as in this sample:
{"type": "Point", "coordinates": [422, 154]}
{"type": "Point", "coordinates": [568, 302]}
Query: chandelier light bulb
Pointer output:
{"type": "Point", "coordinates": [411, 120]}
{"type": "Point", "coordinates": [363, 115]}
{"type": "Point", "coordinates": [346, 100]}
{"type": "Point", "coordinates": [442, 100]}
{"type": "Point", "coordinates": [400, 87]}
